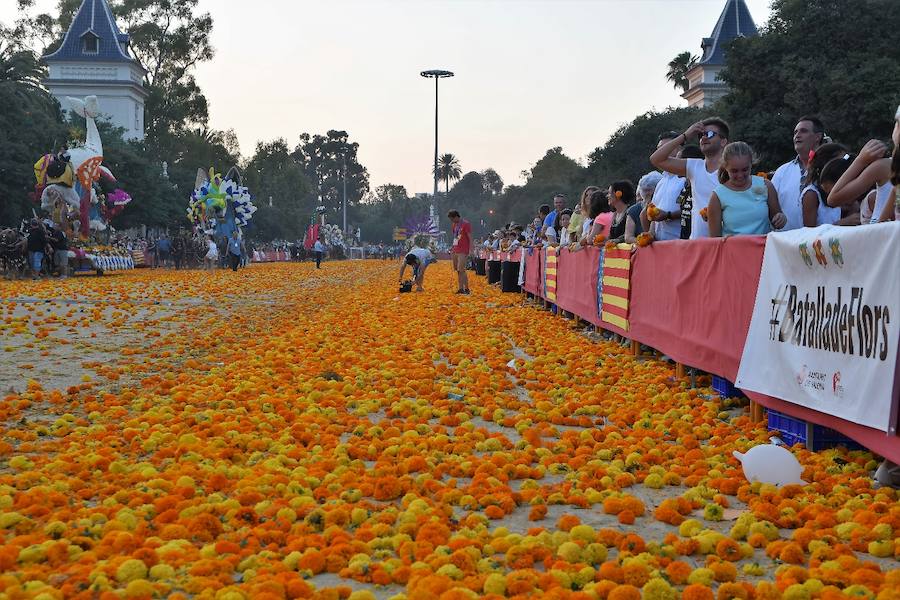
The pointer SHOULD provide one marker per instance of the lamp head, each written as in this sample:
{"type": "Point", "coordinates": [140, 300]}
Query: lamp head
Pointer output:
{"type": "Point", "coordinates": [436, 74]}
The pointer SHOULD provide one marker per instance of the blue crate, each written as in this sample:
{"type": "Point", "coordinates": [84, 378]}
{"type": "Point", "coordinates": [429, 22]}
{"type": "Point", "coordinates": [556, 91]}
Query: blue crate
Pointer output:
{"type": "Point", "coordinates": [725, 388]}
{"type": "Point", "coordinates": [797, 431]}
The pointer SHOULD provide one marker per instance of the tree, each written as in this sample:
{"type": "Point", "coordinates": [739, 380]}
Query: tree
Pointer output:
{"type": "Point", "coordinates": [796, 67]}
{"type": "Point", "coordinates": [626, 154]}
{"type": "Point", "coordinates": [678, 70]}
{"type": "Point", "coordinates": [30, 126]}
{"type": "Point", "coordinates": [448, 168]}
{"type": "Point", "coordinates": [169, 38]}
{"type": "Point", "coordinates": [327, 160]}
{"type": "Point", "coordinates": [469, 193]}
{"type": "Point", "coordinates": [492, 181]}
{"type": "Point", "coordinates": [273, 172]}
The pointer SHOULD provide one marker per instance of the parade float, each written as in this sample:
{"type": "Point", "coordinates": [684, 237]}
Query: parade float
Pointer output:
{"type": "Point", "coordinates": [220, 205]}
{"type": "Point", "coordinates": [80, 196]}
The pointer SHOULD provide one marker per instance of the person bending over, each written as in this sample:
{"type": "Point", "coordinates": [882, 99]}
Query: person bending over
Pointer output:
{"type": "Point", "coordinates": [418, 259]}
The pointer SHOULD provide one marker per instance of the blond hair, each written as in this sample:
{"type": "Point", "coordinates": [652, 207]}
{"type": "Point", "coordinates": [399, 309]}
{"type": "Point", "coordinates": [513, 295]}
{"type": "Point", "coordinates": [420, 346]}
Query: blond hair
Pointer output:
{"type": "Point", "coordinates": [734, 150]}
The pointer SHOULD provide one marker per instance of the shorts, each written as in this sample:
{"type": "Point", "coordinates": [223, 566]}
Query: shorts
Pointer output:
{"type": "Point", "coordinates": [459, 261]}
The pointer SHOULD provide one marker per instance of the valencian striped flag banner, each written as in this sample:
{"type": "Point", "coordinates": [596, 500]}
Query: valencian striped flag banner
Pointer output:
{"type": "Point", "coordinates": [550, 274]}
{"type": "Point", "coordinates": [616, 284]}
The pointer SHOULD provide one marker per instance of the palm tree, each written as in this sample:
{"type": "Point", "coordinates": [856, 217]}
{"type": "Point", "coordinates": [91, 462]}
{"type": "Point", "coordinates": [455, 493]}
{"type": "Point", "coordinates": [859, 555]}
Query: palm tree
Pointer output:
{"type": "Point", "coordinates": [20, 76]}
{"type": "Point", "coordinates": [448, 168]}
{"type": "Point", "coordinates": [678, 70]}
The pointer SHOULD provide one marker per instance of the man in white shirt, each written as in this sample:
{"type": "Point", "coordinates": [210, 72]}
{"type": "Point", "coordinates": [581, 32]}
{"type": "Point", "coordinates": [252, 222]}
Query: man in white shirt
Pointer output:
{"type": "Point", "coordinates": [703, 174]}
{"type": "Point", "coordinates": [809, 133]}
{"type": "Point", "coordinates": [419, 259]}
{"type": "Point", "coordinates": [668, 222]}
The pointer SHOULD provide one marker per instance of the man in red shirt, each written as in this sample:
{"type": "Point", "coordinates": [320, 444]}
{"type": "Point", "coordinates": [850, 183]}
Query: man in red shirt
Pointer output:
{"type": "Point", "coordinates": [462, 246]}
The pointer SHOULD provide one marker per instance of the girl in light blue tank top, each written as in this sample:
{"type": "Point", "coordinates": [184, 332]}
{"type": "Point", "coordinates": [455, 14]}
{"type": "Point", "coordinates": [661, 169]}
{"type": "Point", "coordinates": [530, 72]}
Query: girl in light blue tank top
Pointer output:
{"type": "Point", "coordinates": [745, 212]}
{"type": "Point", "coordinates": [742, 204]}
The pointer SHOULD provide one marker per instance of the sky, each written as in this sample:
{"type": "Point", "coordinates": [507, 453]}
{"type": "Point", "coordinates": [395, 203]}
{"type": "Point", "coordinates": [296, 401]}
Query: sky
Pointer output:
{"type": "Point", "coordinates": [529, 74]}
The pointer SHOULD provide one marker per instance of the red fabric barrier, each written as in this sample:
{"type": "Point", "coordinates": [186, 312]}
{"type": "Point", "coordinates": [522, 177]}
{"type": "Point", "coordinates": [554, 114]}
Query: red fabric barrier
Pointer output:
{"type": "Point", "coordinates": [534, 273]}
{"type": "Point", "coordinates": [693, 301]}
{"type": "Point", "coordinates": [670, 280]}
{"type": "Point", "coordinates": [577, 282]}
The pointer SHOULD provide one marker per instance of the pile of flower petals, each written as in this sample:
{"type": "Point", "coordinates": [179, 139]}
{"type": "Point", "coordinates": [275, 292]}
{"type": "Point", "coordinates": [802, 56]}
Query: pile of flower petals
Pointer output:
{"type": "Point", "coordinates": [316, 434]}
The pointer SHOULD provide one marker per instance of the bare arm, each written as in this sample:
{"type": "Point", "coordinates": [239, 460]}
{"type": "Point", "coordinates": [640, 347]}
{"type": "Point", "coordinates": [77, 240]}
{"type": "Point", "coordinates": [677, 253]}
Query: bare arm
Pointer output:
{"type": "Point", "coordinates": [869, 168]}
{"type": "Point", "coordinates": [663, 160]}
{"type": "Point", "coordinates": [630, 226]}
{"type": "Point", "coordinates": [402, 270]}
{"type": "Point", "coordinates": [776, 217]}
{"type": "Point", "coordinates": [714, 216]}
{"type": "Point", "coordinates": [810, 205]}
{"type": "Point", "coordinates": [887, 214]}
{"type": "Point", "coordinates": [645, 219]}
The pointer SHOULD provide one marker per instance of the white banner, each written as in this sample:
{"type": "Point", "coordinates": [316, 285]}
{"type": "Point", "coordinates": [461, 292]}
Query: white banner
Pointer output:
{"type": "Point", "coordinates": [826, 322]}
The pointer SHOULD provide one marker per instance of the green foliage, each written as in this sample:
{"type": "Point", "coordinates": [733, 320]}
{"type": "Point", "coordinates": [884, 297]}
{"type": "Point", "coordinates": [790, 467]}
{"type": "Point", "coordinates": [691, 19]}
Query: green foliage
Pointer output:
{"type": "Point", "coordinates": [835, 59]}
{"type": "Point", "coordinates": [30, 126]}
{"type": "Point", "coordinates": [389, 206]}
{"type": "Point", "coordinates": [678, 70]}
{"type": "Point", "coordinates": [626, 155]}
{"type": "Point", "coordinates": [274, 172]}
{"type": "Point", "coordinates": [447, 168]}
{"type": "Point", "coordinates": [327, 160]}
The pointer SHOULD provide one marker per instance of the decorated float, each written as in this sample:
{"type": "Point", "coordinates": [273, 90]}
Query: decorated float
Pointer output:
{"type": "Point", "coordinates": [220, 205]}
{"type": "Point", "coordinates": [80, 195]}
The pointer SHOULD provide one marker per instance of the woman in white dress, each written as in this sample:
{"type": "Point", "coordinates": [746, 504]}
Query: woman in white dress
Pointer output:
{"type": "Point", "coordinates": [212, 254]}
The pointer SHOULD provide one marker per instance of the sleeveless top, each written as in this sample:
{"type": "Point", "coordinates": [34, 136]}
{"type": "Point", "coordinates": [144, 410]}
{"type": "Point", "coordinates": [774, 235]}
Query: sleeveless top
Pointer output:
{"type": "Point", "coordinates": [825, 215]}
{"type": "Point", "coordinates": [605, 219]}
{"type": "Point", "coordinates": [881, 198]}
{"type": "Point", "coordinates": [745, 212]}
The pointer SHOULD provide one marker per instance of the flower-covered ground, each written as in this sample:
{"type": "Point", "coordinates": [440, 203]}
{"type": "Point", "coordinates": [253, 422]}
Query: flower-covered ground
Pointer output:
{"type": "Point", "coordinates": [287, 432]}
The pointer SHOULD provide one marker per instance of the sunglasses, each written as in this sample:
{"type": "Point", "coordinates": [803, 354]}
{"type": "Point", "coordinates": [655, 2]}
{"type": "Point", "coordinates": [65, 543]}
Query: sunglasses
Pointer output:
{"type": "Point", "coordinates": [708, 135]}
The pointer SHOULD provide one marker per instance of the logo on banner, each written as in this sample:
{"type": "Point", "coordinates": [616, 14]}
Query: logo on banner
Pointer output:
{"type": "Point", "coordinates": [836, 254]}
{"type": "Point", "coordinates": [834, 245]}
{"type": "Point", "coordinates": [836, 386]}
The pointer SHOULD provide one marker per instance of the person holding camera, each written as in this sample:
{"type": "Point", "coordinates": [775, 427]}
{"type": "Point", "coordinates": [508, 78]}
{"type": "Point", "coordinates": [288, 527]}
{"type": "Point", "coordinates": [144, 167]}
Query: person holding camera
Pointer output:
{"type": "Point", "coordinates": [419, 259]}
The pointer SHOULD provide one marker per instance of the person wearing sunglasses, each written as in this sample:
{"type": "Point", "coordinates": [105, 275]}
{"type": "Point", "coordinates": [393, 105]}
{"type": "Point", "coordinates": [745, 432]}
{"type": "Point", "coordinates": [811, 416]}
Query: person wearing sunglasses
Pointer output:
{"type": "Point", "coordinates": [703, 174]}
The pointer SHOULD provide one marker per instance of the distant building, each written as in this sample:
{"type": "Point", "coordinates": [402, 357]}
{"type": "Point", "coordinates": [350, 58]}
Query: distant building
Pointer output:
{"type": "Point", "coordinates": [93, 60]}
{"type": "Point", "coordinates": [705, 87]}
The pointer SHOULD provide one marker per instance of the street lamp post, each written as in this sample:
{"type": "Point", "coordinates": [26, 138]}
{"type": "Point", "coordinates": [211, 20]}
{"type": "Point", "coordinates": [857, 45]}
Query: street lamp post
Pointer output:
{"type": "Point", "coordinates": [436, 75]}
{"type": "Point", "coordinates": [344, 177]}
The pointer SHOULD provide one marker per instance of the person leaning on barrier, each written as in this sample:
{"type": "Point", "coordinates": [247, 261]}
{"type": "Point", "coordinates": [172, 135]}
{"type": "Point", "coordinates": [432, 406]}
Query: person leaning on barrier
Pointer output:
{"type": "Point", "coordinates": [814, 208]}
{"type": "Point", "coordinates": [713, 135]}
{"type": "Point", "coordinates": [622, 199]}
{"type": "Point", "coordinates": [599, 218]}
{"type": "Point", "coordinates": [790, 178]}
{"type": "Point", "coordinates": [666, 221]}
{"type": "Point", "coordinates": [645, 190]}
{"type": "Point", "coordinates": [742, 204]}
{"type": "Point", "coordinates": [872, 168]}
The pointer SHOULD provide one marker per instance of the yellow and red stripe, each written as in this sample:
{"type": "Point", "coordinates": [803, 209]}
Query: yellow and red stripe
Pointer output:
{"type": "Point", "coordinates": [616, 286]}
{"type": "Point", "coordinates": [550, 275]}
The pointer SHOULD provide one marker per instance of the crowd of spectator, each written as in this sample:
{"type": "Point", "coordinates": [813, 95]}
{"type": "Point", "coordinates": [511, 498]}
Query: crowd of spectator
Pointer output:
{"type": "Point", "coordinates": [706, 187]}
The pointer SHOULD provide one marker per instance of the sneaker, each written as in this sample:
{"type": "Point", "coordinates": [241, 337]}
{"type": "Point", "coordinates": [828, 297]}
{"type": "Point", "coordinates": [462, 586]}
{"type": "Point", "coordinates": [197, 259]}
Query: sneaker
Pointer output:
{"type": "Point", "coordinates": [466, 292]}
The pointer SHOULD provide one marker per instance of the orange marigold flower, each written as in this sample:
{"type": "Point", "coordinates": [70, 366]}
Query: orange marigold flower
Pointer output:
{"type": "Point", "coordinates": [696, 591]}
{"type": "Point", "coordinates": [625, 592]}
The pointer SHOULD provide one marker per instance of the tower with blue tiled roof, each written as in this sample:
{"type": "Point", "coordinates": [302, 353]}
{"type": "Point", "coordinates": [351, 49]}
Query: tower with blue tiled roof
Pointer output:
{"type": "Point", "coordinates": [94, 60]}
{"type": "Point", "coordinates": [705, 87]}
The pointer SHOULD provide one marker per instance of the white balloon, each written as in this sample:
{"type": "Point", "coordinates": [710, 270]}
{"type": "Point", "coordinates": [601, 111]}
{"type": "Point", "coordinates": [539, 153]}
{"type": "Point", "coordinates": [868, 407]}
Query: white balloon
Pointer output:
{"type": "Point", "coordinates": [769, 463]}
